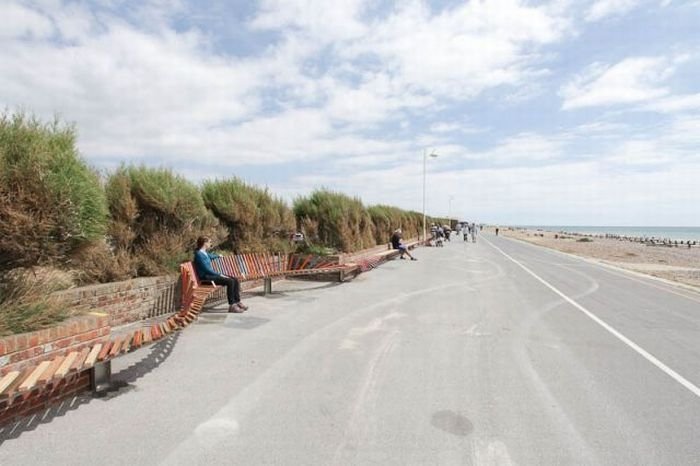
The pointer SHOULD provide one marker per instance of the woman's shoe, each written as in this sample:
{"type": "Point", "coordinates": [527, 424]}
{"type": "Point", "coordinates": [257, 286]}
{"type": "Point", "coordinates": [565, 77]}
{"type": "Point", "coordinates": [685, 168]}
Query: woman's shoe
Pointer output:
{"type": "Point", "coordinates": [242, 306]}
{"type": "Point", "coordinates": [235, 308]}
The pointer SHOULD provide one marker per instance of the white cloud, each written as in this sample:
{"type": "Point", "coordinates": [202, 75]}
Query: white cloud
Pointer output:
{"type": "Point", "coordinates": [632, 80]}
{"type": "Point", "coordinates": [463, 51]}
{"type": "Point", "coordinates": [456, 127]}
{"type": "Point", "coordinates": [131, 93]}
{"type": "Point", "coordinates": [550, 194]}
{"type": "Point", "coordinates": [18, 21]}
{"type": "Point", "coordinates": [600, 128]}
{"type": "Point", "coordinates": [684, 135]}
{"type": "Point", "coordinates": [320, 19]}
{"type": "Point", "coordinates": [678, 103]}
{"type": "Point", "coordinates": [604, 8]}
{"type": "Point", "coordinates": [640, 154]}
{"type": "Point", "coordinates": [524, 148]}
{"type": "Point", "coordinates": [377, 99]}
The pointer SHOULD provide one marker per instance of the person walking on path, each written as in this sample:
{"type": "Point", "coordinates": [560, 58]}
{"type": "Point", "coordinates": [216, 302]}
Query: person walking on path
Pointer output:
{"type": "Point", "coordinates": [205, 272]}
{"type": "Point", "coordinates": [397, 244]}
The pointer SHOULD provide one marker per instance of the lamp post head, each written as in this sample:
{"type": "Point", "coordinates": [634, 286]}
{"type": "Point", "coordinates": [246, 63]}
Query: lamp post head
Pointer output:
{"type": "Point", "coordinates": [433, 154]}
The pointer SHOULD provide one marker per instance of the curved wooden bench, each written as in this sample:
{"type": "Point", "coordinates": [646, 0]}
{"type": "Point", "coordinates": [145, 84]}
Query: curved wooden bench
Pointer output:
{"type": "Point", "coordinates": [22, 392]}
{"type": "Point", "coordinates": [250, 267]}
{"type": "Point", "coordinates": [369, 262]}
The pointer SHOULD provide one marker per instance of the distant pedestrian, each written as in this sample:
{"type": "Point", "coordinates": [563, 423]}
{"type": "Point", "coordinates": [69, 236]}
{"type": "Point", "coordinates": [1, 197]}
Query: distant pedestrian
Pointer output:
{"type": "Point", "coordinates": [205, 272]}
{"type": "Point", "coordinates": [496, 231]}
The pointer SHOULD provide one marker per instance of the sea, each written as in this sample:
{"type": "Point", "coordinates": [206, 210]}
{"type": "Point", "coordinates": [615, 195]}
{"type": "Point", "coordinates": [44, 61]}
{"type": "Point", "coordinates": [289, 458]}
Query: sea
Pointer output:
{"type": "Point", "coordinates": [672, 233]}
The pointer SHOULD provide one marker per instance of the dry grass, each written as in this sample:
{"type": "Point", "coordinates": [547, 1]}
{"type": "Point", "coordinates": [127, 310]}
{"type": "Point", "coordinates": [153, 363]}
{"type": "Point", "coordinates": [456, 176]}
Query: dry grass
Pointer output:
{"type": "Point", "coordinates": [26, 303]}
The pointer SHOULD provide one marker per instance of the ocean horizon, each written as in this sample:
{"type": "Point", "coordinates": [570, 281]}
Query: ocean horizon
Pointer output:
{"type": "Point", "coordinates": [671, 233]}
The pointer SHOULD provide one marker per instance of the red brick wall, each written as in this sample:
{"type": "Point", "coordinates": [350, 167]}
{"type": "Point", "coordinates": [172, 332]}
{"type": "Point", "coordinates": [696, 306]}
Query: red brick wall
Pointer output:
{"type": "Point", "coordinates": [25, 349]}
{"type": "Point", "coordinates": [129, 300]}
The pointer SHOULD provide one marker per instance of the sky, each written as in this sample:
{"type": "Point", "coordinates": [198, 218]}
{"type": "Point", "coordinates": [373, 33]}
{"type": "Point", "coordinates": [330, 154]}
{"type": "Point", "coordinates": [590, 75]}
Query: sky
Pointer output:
{"type": "Point", "coordinates": [561, 112]}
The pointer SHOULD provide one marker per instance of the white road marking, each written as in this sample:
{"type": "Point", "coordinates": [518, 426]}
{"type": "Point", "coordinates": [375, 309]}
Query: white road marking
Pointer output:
{"type": "Point", "coordinates": [645, 354]}
{"type": "Point", "coordinates": [490, 452]}
{"type": "Point", "coordinates": [624, 272]}
{"type": "Point", "coordinates": [474, 332]}
{"type": "Point", "coordinates": [216, 430]}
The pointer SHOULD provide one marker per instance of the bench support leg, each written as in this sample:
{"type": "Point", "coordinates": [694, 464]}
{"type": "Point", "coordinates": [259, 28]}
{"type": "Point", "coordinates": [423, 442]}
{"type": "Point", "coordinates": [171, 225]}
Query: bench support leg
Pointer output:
{"type": "Point", "coordinates": [101, 377]}
{"type": "Point", "coordinates": [267, 286]}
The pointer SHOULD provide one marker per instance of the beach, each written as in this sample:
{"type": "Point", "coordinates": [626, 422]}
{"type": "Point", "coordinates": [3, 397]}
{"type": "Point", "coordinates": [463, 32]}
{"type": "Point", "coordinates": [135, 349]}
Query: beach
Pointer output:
{"type": "Point", "coordinates": [679, 264]}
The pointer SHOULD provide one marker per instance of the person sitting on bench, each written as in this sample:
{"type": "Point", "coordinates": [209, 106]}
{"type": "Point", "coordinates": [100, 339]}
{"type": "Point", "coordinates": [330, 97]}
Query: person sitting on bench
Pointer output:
{"type": "Point", "coordinates": [205, 272]}
{"type": "Point", "coordinates": [396, 244]}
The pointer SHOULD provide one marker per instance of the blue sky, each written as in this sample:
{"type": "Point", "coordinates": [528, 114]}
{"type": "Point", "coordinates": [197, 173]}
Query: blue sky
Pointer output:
{"type": "Point", "coordinates": [541, 112]}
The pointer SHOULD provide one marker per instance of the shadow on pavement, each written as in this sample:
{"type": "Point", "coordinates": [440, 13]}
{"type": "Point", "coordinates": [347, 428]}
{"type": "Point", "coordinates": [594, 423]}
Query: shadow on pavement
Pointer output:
{"type": "Point", "coordinates": [299, 289]}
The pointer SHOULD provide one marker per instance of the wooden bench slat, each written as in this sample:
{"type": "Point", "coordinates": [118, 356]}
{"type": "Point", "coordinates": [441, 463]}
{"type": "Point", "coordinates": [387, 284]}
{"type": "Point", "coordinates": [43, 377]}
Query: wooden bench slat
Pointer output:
{"type": "Point", "coordinates": [33, 377]}
{"type": "Point", "coordinates": [116, 346]}
{"type": "Point", "coordinates": [92, 356]}
{"type": "Point", "coordinates": [80, 360]}
{"type": "Point", "coordinates": [137, 338]}
{"type": "Point", "coordinates": [48, 373]}
{"type": "Point", "coordinates": [7, 380]}
{"type": "Point", "coordinates": [126, 344]}
{"type": "Point", "coordinates": [66, 365]}
{"type": "Point", "coordinates": [104, 351]}
{"type": "Point", "coordinates": [14, 385]}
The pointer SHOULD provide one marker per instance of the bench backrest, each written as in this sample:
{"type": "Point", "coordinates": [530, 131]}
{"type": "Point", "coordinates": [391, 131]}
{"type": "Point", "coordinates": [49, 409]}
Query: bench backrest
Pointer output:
{"type": "Point", "coordinates": [190, 281]}
{"type": "Point", "coordinates": [251, 265]}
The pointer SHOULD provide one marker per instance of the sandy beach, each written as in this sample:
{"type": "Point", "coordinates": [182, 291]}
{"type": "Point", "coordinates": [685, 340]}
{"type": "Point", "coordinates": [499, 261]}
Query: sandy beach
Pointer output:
{"type": "Point", "coordinates": [679, 264]}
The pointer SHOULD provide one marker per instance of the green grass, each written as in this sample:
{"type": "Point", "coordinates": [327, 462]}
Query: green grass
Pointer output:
{"type": "Point", "coordinates": [51, 201]}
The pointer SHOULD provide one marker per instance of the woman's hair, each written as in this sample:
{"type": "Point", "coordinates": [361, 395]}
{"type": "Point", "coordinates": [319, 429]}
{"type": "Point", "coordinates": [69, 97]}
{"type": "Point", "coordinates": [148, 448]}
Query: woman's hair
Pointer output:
{"type": "Point", "coordinates": [200, 242]}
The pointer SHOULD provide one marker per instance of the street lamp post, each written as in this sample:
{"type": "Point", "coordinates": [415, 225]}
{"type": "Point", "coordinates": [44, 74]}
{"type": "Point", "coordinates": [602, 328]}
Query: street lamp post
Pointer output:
{"type": "Point", "coordinates": [425, 158]}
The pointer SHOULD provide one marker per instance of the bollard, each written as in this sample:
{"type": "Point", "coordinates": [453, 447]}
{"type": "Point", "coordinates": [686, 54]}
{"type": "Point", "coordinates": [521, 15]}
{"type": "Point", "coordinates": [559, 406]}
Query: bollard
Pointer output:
{"type": "Point", "coordinates": [267, 286]}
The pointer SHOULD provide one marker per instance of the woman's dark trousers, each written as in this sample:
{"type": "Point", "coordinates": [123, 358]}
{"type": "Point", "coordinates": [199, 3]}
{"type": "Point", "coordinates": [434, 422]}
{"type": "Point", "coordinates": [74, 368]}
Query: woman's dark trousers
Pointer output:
{"type": "Point", "coordinates": [233, 287]}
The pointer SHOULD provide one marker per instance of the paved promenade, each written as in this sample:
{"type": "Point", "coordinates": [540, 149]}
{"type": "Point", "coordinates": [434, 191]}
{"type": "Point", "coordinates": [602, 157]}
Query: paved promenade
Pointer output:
{"type": "Point", "coordinates": [497, 352]}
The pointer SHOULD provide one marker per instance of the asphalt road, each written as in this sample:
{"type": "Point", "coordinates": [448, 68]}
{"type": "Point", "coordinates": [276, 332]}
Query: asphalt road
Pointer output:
{"type": "Point", "coordinates": [487, 353]}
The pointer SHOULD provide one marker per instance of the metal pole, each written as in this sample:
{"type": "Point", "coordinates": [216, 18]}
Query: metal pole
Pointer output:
{"type": "Point", "coordinates": [425, 156]}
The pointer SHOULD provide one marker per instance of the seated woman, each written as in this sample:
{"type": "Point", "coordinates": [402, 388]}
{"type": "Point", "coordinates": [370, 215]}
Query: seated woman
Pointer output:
{"type": "Point", "coordinates": [205, 272]}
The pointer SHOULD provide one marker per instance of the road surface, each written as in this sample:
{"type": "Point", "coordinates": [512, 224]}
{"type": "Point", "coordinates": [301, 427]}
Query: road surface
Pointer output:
{"type": "Point", "coordinates": [488, 353]}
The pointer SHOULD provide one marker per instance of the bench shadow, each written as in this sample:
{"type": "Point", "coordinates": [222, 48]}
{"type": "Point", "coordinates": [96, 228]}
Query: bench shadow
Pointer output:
{"type": "Point", "coordinates": [281, 293]}
{"type": "Point", "coordinates": [121, 383]}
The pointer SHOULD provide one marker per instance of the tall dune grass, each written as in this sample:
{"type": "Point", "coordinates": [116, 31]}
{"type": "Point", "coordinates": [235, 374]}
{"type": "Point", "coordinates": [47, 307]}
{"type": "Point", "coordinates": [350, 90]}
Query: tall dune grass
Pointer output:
{"type": "Point", "coordinates": [386, 219]}
{"type": "Point", "coordinates": [335, 219]}
{"type": "Point", "coordinates": [57, 211]}
{"type": "Point", "coordinates": [255, 220]}
{"type": "Point", "coordinates": [156, 217]}
{"type": "Point", "coordinates": [51, 202]}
